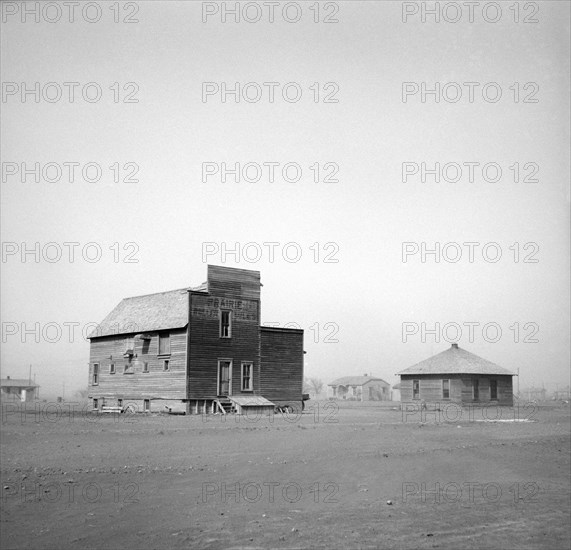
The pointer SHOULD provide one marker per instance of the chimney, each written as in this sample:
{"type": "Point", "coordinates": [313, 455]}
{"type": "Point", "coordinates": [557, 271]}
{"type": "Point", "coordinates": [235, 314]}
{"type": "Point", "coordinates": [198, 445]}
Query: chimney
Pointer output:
{"type": "Point", "coordinates": [454, 346]}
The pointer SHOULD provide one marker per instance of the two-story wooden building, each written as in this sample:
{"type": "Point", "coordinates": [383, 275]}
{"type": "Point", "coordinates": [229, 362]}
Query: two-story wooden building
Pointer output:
{"type": "Point", "coordinates": [456, 376]}
{"type": "Point", "coordinates": [198, 350]}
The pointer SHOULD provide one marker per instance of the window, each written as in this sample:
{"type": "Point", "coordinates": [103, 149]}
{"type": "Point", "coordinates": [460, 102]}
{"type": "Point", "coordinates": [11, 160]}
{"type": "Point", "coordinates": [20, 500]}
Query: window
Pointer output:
{"type": "Point", "coordinates": [247, 376]}
{"type": "Point", "coordinates": [416, 389]}
{"type": "Point", "coordinates": [145, 366]}
{"type": "Point", "coordinates": [166, 365]}
{"type": "Point", "coordinates": [95, 374]}
{"type": "Point", "coordinates": [112, 368]}
{"type": "Point", "coordinates": [164, 344]}
{"type": "Point", "coordinates": [146, 405]}
{"type": "Point", "coordinates": [225, 324]}
{"type": "Point", "coordinates": [476, 389]}
{"type": "Point", "coordinates": [493, 389]}
{"type": "Point", "coordinates": [129, 346]}
{"type": "Point", "coordinates": [120, 403]}
{"type": "Point", "coordinates": [128, 368]}
{"type": "Point", "coordinates": [95, 403]}
{"type": "Point", "coordinates": [445, 389]}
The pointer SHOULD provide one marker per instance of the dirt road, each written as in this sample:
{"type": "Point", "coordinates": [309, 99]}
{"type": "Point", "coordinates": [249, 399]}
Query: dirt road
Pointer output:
{"type": "Point", "coordinates": [347, 478]}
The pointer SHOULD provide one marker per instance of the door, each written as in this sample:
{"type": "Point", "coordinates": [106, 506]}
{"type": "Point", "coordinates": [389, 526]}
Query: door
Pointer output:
{"type": "Point", "coordinates": [476, 389]}
{"type": "Point", "coordinates": [224, 373]}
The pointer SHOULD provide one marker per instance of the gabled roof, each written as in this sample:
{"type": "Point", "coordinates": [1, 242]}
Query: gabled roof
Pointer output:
{"type": "Point", "coordinates": [354, 381]}
{"type": "Point", "coordinates": [151, 312]}
{"type": "Point", "coordinates": [17, 383]}
{"type": "Point", "coordinates": [455, 360]}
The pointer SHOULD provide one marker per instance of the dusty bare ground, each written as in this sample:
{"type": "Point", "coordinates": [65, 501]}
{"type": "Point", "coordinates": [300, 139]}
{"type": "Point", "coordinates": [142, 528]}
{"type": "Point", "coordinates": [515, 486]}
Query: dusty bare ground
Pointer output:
{"type": "Point", "coordinates": [321, 480]}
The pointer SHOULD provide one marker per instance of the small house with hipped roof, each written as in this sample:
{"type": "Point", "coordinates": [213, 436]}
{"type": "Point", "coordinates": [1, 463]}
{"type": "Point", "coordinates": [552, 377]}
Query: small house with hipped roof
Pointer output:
{"type": "Point", "coordinates": [359, 388]}
{"type": "Point", "coordinates": [456, 376]}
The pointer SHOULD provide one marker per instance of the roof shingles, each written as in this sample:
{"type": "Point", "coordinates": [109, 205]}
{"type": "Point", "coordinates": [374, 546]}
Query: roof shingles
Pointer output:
{"type": "Point", "coordinates": [455, 360]}
{"type": "Point", "coordinates": [152, 312]}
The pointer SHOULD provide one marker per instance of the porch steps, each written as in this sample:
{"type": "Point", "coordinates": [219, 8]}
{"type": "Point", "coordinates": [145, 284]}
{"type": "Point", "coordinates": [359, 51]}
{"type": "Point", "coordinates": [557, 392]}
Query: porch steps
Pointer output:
{"type": "Point", "coordinates": [225, 406]}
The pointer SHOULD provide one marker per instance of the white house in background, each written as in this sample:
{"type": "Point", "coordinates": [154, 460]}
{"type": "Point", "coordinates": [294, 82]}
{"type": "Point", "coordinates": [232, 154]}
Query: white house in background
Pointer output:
{"type": "Point", "coordinates": [396, 392]}
{"type": "Point", "coordinates": [18, 389]}
{"type": "Point", "coordinates": [359, 388]}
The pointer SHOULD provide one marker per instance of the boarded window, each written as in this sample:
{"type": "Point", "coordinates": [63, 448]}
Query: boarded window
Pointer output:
{"type": "Point", "coordinates": [247, 379]}
{"type": "Point", "coordinates": [493, 389]}
{"type": "Point", "coordinates": [164, 344]}
{"type": "Point", "coordinates": [128, 368]}
{"type": "Point", "coordinates": [225, 324]}
{"type": "Point", "coordinates": [95, 374]}
{"type": "Point", "coordinates": [129, 345]}
{"type": "Point", "coordinates": [416, 389]}
{"type": "Point", "coordinates": [445, 389]}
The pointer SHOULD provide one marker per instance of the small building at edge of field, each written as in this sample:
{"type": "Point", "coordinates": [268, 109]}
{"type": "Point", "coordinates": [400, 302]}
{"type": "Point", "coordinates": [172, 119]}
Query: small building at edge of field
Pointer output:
{"type": "Point", "coordinates": [456, 376]}
{"type": "Point", "coordinates": [196, 350]}
{"type": "Point", "coordinates": [18, 390]}
{"type": "Point", "coordinates": [360, 388]}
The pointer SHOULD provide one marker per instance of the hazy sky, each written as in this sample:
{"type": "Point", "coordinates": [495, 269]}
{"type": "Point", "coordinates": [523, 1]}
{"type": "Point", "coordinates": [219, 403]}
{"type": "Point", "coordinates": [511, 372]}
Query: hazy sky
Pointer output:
{"type": "Point", "coordinates": [362, 61]}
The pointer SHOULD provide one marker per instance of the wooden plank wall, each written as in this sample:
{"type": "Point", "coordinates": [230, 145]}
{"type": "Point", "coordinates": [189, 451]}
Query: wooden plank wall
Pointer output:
{"type": "Point", "coordinates": [460, 389]}
{"type": "Point", "coordinates": [156, 384]}
{"type": "Point", "coordinates": [282, 364]}
{"type": "Point", "coordinates": [238, 291]}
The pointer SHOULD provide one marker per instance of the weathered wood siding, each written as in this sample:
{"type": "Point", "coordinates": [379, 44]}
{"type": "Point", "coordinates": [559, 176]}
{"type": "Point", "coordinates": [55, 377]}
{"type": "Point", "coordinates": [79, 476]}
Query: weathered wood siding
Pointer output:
{"type": "Point", "coordinates": [461, 388]}
{"type": "Point", "coordinates": [155, 384]}
{"type": "Point", "coordinates": [281, 376]}
{"type": "Point", "coordinates": [237, 291]}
